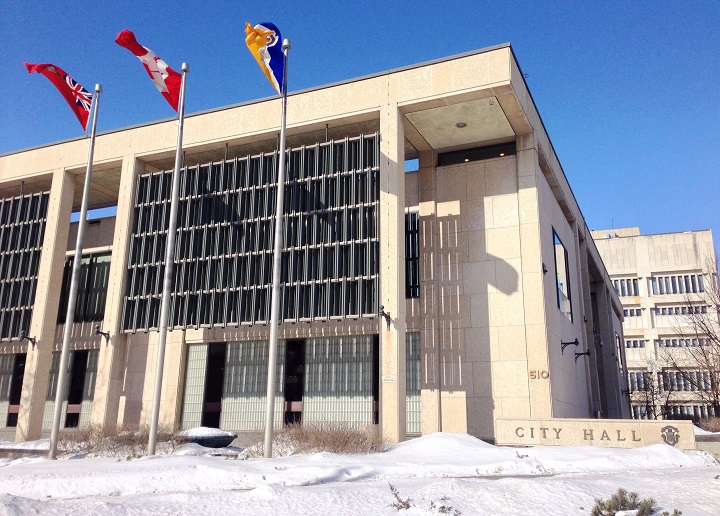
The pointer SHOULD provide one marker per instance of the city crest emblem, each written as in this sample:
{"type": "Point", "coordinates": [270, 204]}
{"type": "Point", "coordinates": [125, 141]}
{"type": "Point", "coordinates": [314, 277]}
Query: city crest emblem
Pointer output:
{"type": "Point", "coordinates": [670, 435]}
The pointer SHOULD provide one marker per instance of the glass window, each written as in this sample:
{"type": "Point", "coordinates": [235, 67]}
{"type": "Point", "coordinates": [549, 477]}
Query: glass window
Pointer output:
{"type": "Point", "coordinates": [92, 288]}
{"type": "Point", "coordinates": [412, 255]}
{"type": "Point", "coordinates": [562, 275]}
{"type": "Point", "coordinates": [635, 287]}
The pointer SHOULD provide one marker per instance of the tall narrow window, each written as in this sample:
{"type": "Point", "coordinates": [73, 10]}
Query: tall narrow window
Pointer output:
{"type": "Point", "coordinates": [92, 288]}
{"type": "Point", "coordinates": [412, 255]}
{"type": "Point", "coordinates": [562, 275]}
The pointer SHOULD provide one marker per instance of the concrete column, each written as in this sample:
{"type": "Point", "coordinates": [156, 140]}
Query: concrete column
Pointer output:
{"type": "Point", "coordinates": [431, 386]}
{"type": "Point", "coordinates": [534, 281]}
{"type": "Point", "coordinates": [111, 361]}
{"type": "Point", "coordinates": [47, 300]}
{"type": "Point", "coordinates": [173, 380]}
{"type": "Point", "coordinates": [392, 270]}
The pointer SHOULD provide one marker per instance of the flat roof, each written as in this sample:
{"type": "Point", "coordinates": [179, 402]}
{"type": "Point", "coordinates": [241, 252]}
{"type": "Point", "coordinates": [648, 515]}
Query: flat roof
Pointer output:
{"type": "Point", "coordinates": [265, 99]}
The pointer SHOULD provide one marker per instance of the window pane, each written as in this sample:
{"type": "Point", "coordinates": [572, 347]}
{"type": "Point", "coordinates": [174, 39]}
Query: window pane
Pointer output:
{"type": "Point", "coordinates": [562, 276]}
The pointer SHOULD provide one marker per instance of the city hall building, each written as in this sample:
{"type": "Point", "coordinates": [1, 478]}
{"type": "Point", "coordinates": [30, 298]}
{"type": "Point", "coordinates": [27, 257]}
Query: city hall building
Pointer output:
{"type": "Point", "coordinates": [439, 299]}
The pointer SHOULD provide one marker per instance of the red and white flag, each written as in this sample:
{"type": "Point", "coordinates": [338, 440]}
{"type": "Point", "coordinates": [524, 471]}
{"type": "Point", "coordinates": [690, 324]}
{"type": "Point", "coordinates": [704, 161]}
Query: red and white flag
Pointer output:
{"type": "Point", "coordinates": [77, 97]}
{"type": "Point", "coordinates": [165, 78]}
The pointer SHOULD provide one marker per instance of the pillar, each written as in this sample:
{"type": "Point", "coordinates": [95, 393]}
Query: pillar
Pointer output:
{"type": "Point", "coordinates": [47, 300]}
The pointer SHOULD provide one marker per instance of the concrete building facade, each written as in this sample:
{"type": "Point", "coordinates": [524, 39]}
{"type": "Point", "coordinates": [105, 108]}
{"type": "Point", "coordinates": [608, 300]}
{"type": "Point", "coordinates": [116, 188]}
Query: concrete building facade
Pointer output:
{"type": "Point", "coordinates": [664, 282]}
{"type": "Point", "coordinates": [443, 298]}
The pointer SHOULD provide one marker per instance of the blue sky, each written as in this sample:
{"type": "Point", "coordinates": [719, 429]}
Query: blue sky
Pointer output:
{"type": "Point", "coordinates": [628, 91]}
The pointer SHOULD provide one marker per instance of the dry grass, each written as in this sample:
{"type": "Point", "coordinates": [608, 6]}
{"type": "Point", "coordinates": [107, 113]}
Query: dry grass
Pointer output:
{"type": "Point", "coordinates": [711, 424]}
{"type": "Point", "coordinates": [126, 442]}
{"type": "Point", "coordinates": [326, 437]}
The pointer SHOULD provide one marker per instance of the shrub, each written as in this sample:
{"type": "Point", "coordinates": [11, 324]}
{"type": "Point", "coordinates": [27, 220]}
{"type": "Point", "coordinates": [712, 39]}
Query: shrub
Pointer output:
{"type": "Point", "coordinates": [711, 424]}
{"type": "Point", "coordinates": [399, 503]}
{"type": "Point", "coordinates": [321, 437]}
{"type": "Point", "coordinates": [116, 442]}
{"type": "Point", "coordinates": [623, 501]}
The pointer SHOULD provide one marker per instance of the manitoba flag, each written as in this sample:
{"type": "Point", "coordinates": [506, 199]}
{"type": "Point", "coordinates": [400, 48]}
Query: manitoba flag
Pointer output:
{"type": "Point", "coordinates": [77, 97]}
{"type": "Point", "coordinates": [166, 80]}
{"type": "Point", "coordinates": [265, 44]}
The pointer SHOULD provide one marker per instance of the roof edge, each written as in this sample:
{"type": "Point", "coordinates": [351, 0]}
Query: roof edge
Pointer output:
{"type": "Point", "coordinates": [265, 99]}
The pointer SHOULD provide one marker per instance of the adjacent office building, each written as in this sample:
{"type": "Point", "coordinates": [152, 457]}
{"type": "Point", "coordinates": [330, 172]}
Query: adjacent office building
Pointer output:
{"type": "Point", "coordinates": [664, 282]}
{"type": "Point", "coordinates": [442, 298]}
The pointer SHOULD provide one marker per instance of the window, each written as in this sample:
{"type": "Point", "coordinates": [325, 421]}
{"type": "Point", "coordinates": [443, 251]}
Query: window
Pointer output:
{"type": "Point", "coordinates": [562, 275]}
{"type": "Point", "coordinates": [626, 287]}
{"type": "Point", "coordinates": [639, 381]}
{"type": "Point", "coordinates": [412, 255]}
{"type": "Point", "coordinates": [632, 312]}
{"type": "Point", "coordinates": [224, 242]}
{"type": "Point", "coordinates": [685, 284]}
{"type": "Point", "coordinates": [22, 228]}
{"type": "Point", "coordinates": [92, 288]}
{"type": "Point", "coordinates": [635, 343]}
{"type": "Point", "coordinates": [476, 154]}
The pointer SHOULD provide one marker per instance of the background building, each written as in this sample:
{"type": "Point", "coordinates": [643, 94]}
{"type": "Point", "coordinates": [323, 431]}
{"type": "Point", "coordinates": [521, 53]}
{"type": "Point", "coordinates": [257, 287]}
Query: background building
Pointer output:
{"type": "Point", "coordinates": [667, 283]}
{"type": "Point", "coordinates": [438, 299]}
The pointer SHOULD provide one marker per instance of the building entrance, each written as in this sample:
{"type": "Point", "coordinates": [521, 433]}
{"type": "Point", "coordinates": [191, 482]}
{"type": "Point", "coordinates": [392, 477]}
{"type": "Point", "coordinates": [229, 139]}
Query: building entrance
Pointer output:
{"type": "Point", "coordinates": [76, 388]}
{"type": "Point", "coordinates": [16, 383]}
{"type": "Point", "coordinates": [215, 376]}
{"type": "Point", "coordinates": [294, 381]}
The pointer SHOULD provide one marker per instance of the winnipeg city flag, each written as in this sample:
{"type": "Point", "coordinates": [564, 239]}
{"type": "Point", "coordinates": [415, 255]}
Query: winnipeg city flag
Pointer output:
{"type": "Point", "coordinates": [166, 80]}
{"type": "Point", "coordinates": [78, 98]}
{"type": "Point", "coordinates": [265, 43]}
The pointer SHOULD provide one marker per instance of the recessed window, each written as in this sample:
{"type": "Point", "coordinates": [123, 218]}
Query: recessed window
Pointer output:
{"type": "Point", "coordinates": [476, 154]}
{"type": "Point", "coordinates": [562, 275]}
{"type": "Point", "coordinates": [412, 254]}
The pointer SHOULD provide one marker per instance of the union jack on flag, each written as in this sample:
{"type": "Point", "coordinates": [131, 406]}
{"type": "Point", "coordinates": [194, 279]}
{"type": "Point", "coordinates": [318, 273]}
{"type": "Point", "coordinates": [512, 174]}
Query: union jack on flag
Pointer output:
{"type": "Point", "coordinates": [77, 97]}
{"type": "Point", "coordinates": [83, 97]}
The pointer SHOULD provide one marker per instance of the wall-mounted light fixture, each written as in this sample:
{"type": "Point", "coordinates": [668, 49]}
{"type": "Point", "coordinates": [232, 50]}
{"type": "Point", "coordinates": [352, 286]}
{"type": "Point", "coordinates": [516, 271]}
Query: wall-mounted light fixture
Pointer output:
{"type": "Point", "coordinates": [386, 315]}
{"type": "Point", "coordinates": [598, 340]}
{"type": "Point", "coordinates": [24, 336]}
{"type": "Point", "coordinates": [584, 353]}
{"type": "Point", "coordinates": [103, 333]}
{"type": "Point", "coordinates": [566, 344]}
{"type": "Point", "coordinates": [544, 268]}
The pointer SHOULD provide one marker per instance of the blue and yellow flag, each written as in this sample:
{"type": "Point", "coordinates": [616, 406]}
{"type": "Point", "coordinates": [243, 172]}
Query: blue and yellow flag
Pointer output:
{"type": "Point", "coordinates": [265, 43]}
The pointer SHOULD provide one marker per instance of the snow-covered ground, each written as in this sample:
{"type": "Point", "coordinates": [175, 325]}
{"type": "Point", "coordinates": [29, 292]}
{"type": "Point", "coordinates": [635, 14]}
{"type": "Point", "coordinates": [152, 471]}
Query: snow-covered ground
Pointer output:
{"type": "Point", "coordinates": [440, 474]}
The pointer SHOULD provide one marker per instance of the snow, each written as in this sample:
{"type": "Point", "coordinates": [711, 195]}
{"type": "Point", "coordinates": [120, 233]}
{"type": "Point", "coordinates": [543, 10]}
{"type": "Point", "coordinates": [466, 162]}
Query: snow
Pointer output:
{"type": "Point", "coordinates": [203, 431]}
{"type": "Point", "coordinates": [40, 444]}
{"type": "Point", "coordinates": [437, 474]}
{"type": "Point", "coordinates": [700, 431]}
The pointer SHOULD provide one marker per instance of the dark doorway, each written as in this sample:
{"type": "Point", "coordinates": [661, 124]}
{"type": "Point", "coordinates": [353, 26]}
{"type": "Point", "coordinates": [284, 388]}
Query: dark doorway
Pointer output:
{"type": "Point", "coordinates": [16, 383]}
{"type": "Point", "coordinates": [376, 380]}
{"type": "Point", "coordinates": [294, 381]}
{"type": "Point", "coordinates": [214, 379]}
{"type": "Point", "coordinates": [76, 388]}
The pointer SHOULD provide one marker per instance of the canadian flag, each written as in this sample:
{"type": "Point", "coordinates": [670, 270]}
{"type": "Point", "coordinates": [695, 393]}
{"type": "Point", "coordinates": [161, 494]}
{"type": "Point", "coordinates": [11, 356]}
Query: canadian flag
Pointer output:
{"type": "Point", "coordinates": [166, 80]}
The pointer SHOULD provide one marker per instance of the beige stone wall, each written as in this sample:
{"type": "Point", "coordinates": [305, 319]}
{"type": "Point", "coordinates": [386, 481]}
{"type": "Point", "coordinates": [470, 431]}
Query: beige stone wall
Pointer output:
{"type": "Point", "coordinates": [605, 433]}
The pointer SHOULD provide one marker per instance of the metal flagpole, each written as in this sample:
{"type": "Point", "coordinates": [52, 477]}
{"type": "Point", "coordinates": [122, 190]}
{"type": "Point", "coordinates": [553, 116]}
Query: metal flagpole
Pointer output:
{"type": "Point", "coordinates": [75, 279]}
{"type": "Point", "coordinates": [277, 261]}
{"type": "Point", "coordinates": [169, 266]}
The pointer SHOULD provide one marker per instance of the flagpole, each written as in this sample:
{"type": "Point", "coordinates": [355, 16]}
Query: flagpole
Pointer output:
{"type": "Point", "coordinates": [169, 266]}
{"type": "Point", "coordinates": [75, 280]}
{"type": "Point", "coordinates": [277, 262]}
